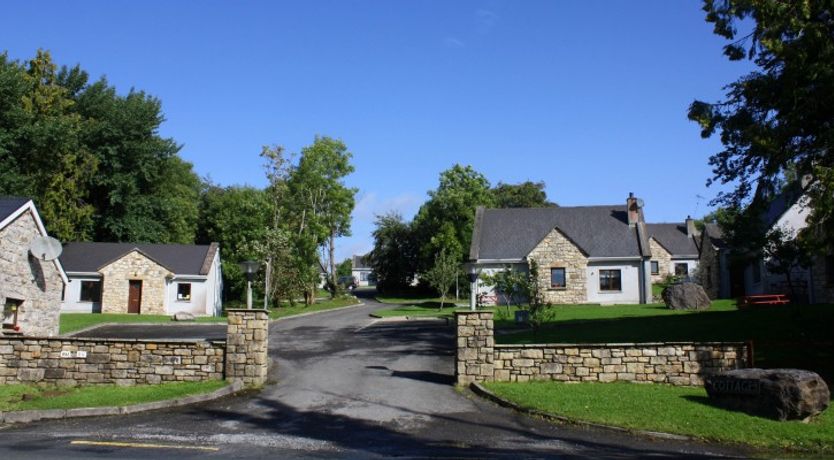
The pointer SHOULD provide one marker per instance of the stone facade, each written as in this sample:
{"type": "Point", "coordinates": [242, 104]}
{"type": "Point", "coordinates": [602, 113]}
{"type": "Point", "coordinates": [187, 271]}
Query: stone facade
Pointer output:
{"type": "Point", "coordinates": [247, 354]}
{"type": "Point", "coordinates": [480, 359]}
{"type": "Point", "coordinates": [116, 279]}
{"type": "Point", "coordinates": [108, 361]}
{"type": "Point", "coordinates": [823, 279]}
{"type": "Point", "coordinates": [23, 277]}
{"type": "Point", "coordinates": [663, 259]}
{"type": "Point", "coordinates": [709, 270]}
{"type": "Point", "coordinates": [557, 251]}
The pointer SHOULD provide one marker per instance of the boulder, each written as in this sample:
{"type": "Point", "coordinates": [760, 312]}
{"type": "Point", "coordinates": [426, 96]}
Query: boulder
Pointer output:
{"type": "Point", "coordinates": [685, 296]}
{"type": "Point", "coordinates": [781, 394]}
{"type": "Point", "coordinates": [184, 316]}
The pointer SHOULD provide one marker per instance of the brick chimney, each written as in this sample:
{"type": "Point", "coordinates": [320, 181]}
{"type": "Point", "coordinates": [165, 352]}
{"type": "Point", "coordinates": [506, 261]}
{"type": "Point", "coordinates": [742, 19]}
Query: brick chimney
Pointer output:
{"type": "Point", "coordinates": [690, 227]}
{"type": "Point", "coordinates": [635, 214]}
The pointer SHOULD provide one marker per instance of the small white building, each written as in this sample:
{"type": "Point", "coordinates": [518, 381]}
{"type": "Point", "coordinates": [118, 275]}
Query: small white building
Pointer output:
{"type": "Point", "coordinates": [162, 279]}
{"type": "Point", "coordinates": [674, 250]}
{"type": "Point", "coordinates": [362, 272]}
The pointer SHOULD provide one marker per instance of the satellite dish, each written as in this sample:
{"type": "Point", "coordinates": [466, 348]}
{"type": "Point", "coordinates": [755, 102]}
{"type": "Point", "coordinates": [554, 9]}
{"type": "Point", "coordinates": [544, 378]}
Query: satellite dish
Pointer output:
{"type": "Point", "coordinates": [640, 203]}
{"type": "Point", "coordinates": [45, 248]}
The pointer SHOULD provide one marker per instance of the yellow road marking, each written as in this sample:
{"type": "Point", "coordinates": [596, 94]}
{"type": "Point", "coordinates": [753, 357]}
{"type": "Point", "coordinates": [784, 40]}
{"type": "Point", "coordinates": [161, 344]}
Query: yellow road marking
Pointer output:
{"type": "Point", "coordinates": [141, 445]}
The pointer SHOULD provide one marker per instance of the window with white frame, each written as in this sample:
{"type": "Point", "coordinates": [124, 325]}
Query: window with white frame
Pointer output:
{"type": "Point", "coordinates": [184, 291]}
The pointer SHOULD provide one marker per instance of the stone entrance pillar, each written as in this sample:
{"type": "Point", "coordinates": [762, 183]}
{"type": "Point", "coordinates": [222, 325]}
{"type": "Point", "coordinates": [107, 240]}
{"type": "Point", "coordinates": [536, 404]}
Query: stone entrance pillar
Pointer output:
{"type": "Point", "coordinates": [247, 346]}
{"type": "Point", "coordinates": [474, 361]}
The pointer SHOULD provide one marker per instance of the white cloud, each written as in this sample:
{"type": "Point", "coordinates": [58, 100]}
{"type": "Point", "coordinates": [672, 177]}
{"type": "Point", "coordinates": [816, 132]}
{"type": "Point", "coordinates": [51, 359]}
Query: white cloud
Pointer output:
{"type": "Point", "coordinates": [486, 20]}
{"type": "Point", "coordinates": [370, 205]}
{"type": "Point", "coordinates": [453, 42]}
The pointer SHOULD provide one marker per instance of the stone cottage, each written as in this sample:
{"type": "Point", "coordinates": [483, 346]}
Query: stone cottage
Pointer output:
{"type": "Point", "coordinates": [160, 279]}
{"type": "Point", "coordinates": [585, 254]}
{"type": "Point", "coordinates": [30, 288]}
{"type": "Point", "coordinates": [674, 249]}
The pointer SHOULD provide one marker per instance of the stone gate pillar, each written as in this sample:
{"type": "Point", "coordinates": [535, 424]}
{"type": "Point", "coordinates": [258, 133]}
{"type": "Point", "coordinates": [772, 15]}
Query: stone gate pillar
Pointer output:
{"type": "Point", "coordinates": [475, 347]}
{"type": "Point", "coordinates": [247, 346]}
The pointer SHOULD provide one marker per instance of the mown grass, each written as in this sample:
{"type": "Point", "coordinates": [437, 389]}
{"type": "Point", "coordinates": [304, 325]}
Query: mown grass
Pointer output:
{"type": "Point", "coordinates": [289, 310]}
{"type": "Point", "coordinates": [680, 410]}
{"type": "Point", "coordinates": [71, 322]}
{"type": "Point", "coordinates": [50, 397]}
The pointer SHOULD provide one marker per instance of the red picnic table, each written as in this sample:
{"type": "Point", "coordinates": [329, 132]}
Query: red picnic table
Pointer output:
{"type": "Point", "coordinates": [764, 299]}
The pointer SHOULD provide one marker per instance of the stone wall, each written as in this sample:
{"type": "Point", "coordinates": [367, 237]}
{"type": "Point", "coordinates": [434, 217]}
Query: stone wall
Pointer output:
{"type": "Point", "coordinates": [108, 361]}
{"type": "Point", "coordinates": [557, 251]}
{"type": "Point", "coordinates": [25, 278]}
{"type": "Point", "coordinates": [709, 270]}
{"type": "Point", "coordinates": [133, 266]}
{"type": "Point", "coordinates": [480, 359]}
{"type": "Point", "coordinates": [247, 351]}
{"type": "Point", "coordinates": [663, 259]}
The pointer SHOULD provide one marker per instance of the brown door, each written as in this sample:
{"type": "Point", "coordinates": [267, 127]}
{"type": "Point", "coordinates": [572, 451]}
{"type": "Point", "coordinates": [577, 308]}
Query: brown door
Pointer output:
{"type": "Point", "coordinates": [134, 297]}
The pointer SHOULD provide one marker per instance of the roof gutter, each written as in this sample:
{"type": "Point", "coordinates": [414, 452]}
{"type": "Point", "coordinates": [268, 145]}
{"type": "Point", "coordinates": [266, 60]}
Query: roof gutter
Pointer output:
{"type": "Point", "coordinates": [607, 259]}
{"type": "Point", "coordinates": [498, 261]}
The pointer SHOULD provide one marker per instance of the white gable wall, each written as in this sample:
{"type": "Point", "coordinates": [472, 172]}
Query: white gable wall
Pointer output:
{"type": "Point", "coordinates": [72, 302]}
{"type": "Point", "coordinates": [629, 277]}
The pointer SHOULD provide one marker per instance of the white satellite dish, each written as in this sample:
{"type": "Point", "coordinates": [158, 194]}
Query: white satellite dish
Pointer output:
{"type": "Point", "coordinates": [45, 248]}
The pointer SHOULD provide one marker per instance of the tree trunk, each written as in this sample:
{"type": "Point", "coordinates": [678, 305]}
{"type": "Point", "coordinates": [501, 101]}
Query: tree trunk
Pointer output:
{"type": "Point", "coordinates": [332, 263]}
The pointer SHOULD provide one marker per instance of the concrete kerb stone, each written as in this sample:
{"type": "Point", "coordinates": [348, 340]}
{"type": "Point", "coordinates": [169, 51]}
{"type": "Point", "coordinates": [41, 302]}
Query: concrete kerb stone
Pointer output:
{"type": "Point", "coordinates": [481, 391]}
{"type": "Point", "coordinates": [28, 416]}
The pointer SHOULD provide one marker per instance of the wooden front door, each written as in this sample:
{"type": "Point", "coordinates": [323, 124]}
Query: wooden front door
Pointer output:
{"type": "Point", "coordinates": [134, 297]}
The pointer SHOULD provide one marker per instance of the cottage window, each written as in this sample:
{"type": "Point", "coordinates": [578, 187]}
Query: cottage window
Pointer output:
{"type": "Point", "coordinates": [90, 291]}
{"type": "Point", "coordinates": [557, 278]}
{"type": "Point", "coordinates": [184, 291]}
{"type": "Point", "coordinates": [363, 276]}
{"type": "Point", "coordinates": [610, 280]}
{"type": "Point", "coordinates": [681, 270]}
{"type": "Point", "coordinates": [10, 309]}
{"type": "Point", "coordinates": [655, 267]}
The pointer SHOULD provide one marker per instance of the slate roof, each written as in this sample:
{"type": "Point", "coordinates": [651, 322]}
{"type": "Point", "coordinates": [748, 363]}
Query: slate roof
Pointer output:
{"type": "Point", "coordinates": [599, 231]}
{"type": "Point", "coordinates": [360, 263]}
{"type": "Point", "coordinates": [715, 235]}
{"type": "Point", "coordinates": [10, 204]}
{"type": "Point", "coordinates": [673, 238]}
{"type": "Point", "coordinates": [181, 259]}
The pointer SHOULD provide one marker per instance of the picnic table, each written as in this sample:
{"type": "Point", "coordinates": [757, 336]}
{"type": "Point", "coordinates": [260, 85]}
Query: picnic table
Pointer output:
{"type": "Point", "coordinates": [764, 299]}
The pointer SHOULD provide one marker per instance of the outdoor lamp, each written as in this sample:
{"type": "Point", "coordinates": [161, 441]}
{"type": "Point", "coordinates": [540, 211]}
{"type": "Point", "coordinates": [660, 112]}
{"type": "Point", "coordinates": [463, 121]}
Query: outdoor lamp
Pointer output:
{"type": "Point", "coordinates": [249, 268]}
{"type": "Point", "coordinates": [472, 272]}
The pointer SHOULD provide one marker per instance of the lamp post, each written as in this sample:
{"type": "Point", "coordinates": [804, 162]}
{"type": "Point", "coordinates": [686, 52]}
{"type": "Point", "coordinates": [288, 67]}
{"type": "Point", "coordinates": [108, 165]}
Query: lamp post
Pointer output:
{"type": "Point", "coordinates": [249, 268]}
{"type": "Point", "coordinates": [472, 272]}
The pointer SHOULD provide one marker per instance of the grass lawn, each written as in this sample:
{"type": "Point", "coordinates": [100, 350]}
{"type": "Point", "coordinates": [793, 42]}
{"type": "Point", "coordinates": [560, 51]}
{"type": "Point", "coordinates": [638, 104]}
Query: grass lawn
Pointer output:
{"type": "Point", "coordinates": [12, 396]}
{"type": "Point", "coordinates": [681, 410]}
{"type": "Point", "coordinates": [299, 308]}
{"type": "Point", "coordinates": [71, 322]}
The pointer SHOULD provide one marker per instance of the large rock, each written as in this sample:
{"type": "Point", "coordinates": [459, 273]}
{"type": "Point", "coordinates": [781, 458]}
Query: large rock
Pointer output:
{"type": "Point", "coordinates": [685, 296]}
{"type": "Point", "coordinates": [782, 394]}
{"type": "Point", "coordinates": [184, 316]}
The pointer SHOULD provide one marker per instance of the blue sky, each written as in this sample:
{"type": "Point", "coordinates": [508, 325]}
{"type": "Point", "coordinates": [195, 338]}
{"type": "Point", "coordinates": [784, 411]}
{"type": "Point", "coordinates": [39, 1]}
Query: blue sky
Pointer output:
{"type": "Point", "coordinates": [589, 97]}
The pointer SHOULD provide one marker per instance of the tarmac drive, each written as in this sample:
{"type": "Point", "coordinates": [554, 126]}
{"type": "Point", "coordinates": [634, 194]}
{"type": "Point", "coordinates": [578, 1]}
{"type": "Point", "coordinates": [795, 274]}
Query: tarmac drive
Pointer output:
{"type": "Point", "coordinates": [342, 386]}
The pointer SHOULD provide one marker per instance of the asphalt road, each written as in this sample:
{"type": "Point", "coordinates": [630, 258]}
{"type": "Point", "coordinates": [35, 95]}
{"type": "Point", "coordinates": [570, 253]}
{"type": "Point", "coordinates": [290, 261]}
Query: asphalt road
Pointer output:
{"type": "Point", "coordinates": [157, 331]}
{"type": "Point", "coordinates": [342, 386]}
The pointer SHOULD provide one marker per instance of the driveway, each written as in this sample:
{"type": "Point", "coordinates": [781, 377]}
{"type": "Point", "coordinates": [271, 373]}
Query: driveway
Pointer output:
{"type": "Point", "coordinates": [342, 386]}
{"type": "Point", "coordinates": [157, 331]}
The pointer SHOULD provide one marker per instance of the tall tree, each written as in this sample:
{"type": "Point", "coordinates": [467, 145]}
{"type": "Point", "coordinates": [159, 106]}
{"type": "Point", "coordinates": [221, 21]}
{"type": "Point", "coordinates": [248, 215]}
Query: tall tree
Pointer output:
{"type": "Point", "coordinates": [394, 254]}
{"type": "Point", "coordinates": [523, 195]}
{"type": "Point", "coordinates": [780, 116]}
{"type": "Point", "coordinates": [446, 220]}
{"type": "Point", "coordinates": [443, 273]}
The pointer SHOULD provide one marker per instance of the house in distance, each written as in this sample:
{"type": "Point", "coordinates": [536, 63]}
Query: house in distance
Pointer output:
{"type": "Point", "coordinates": [161, 279]}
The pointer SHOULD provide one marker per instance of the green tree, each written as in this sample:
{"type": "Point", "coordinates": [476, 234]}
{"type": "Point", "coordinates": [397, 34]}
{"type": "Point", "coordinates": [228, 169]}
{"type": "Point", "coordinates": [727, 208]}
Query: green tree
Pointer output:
{"type": "Point", "coordinates": [784, 254]}
{"type": "Point", "coordinates": [345, 268]}
{"type": "Point", "coordinates": [446, 220]}
{"type": "Point", "coordinates": [524, 195]}
{"type": "Point", "coordinates": [234, 217]}
{"type": "Point", "coordinates": [778, 120]}
{"type": "Point", "coordinates": [394, 254]}
{"type": "Point", "coordinates": [510, 284]}
{"type": "Point", "coordinates": [442, 274]}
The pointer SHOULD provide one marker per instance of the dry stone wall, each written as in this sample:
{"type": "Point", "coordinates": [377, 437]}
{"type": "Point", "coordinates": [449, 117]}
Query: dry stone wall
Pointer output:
{"type": "Point", "coordinates": [36, 283]}
{"type": "Point", "coordinates": [133, 266]}
{"type": "Point", "coordinates": [82, 361]}
{"type": "Point", "coordinates": [557, 251]}
{"type": "Point", "coordinates": [480, 359]}
{"type": "Point", "coordinates": [247, 354]}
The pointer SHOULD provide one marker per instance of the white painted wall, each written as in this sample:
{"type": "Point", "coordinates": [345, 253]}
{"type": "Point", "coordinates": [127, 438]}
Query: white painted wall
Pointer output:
{"type": "Point", "coordinates": [358, 275]}
{"type": "Point", "coordinates": [72, 296]}
{"type": "Point", "coordinates": [490, 296]}
{"type": "Point", "coordinates": [214, 290]}
{"type": "Point", "coordinates": [691, 264]}
{"type": "Point", "coordinates": [195, 305]}
{"type": "Point", "coordinates": [630, 278]}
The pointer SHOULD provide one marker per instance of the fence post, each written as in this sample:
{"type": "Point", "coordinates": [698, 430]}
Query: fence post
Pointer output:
{"type": "Point", "coordinates": [475, 357]}
{"type": "Point", "coordinates": [247, 346]}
